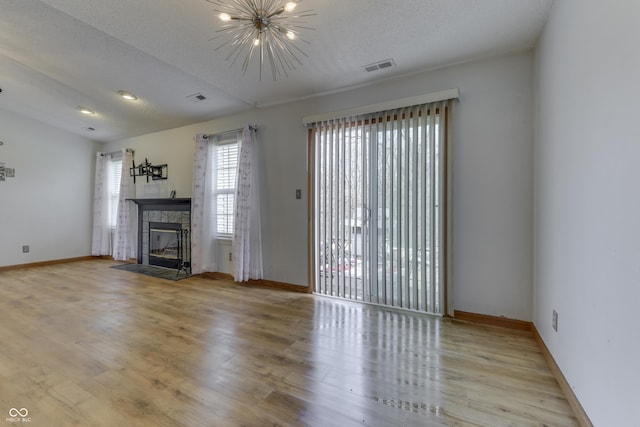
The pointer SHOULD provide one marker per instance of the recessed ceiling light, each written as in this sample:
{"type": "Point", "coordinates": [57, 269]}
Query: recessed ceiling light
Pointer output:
{"type": "Point", "coordinates": [86, 111]}
{"type": "Point", "coordinates": [127, 95]}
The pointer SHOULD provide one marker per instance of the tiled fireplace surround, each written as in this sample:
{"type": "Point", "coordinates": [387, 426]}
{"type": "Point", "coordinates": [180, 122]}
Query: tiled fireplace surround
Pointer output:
{"type": "Point", "coordinates": [177, 211]}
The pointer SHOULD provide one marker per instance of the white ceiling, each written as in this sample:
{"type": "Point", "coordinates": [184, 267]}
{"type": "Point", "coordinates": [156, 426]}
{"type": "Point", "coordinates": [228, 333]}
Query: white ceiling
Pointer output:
{"type": "Point", "coordinates": [56, 55]}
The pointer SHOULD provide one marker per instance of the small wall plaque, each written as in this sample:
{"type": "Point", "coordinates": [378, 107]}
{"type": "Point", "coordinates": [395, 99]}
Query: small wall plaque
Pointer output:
{"type": "Point", "coordinates": [6, 172]}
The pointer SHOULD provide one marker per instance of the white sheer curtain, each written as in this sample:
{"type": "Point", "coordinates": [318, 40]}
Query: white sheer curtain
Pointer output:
{"type": "Point", "coordinates": [247, 239]}
{"type": "Point", "coordinates": [125, 244]}
{"type": "Point", "coordinates": [101, 239]}
{"type": "Point", "coordinates": [203, 253]}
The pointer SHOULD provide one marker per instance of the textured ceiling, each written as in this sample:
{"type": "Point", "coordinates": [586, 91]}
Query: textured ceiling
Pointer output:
{"type": "Point", "coordinates": [58, 54]}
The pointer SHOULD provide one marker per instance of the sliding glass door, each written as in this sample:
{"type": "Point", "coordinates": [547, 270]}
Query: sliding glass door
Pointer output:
{"type": "Point", "coordinates": [378, 207]}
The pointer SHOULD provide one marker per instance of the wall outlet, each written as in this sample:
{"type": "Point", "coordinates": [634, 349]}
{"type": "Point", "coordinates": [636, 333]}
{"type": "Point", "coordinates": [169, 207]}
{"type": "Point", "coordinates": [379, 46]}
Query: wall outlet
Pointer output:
{"type": "Point", "coordinates": [25, 249]}
{"type": "Point", "coordinates": [298, 194]}
{"type": "Point", "coordinates": [554, 321]}
{"type": "Point", "coordinates": [230, 256]}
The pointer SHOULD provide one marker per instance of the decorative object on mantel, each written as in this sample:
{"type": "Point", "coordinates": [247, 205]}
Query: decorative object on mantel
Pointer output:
{"type": "Point", "coordinates": [270, 27]}
{"type": "Point", "coordinates": [147, 169]}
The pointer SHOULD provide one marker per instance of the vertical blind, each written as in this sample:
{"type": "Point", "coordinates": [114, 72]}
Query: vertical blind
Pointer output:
{"type": "Point", "coordinates": [380, 206]}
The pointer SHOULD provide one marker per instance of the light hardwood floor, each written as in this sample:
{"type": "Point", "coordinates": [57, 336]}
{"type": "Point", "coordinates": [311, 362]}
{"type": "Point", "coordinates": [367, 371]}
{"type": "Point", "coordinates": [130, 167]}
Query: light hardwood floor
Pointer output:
{"type": "Point", "coordinates": [84, 344]}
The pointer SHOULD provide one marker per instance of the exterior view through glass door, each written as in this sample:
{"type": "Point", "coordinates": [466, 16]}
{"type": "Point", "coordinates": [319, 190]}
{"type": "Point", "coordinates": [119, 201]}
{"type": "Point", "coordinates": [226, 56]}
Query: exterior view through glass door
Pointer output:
{"type": "Point", "coordinates": [379, 196]}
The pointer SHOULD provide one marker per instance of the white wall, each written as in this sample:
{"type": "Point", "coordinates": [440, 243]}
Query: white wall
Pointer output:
{"type": "Point", "coordinates": [587, 202]}
{"type": "Point", "coordinates": [48, 205]}
{"type": "Point", "coordinates": [493, 178]}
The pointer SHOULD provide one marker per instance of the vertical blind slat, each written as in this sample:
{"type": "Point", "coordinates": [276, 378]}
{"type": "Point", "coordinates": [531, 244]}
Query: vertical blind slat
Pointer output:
{"type": "Point", "coordinates": [341, 200]}
{"type": "Point", "coordinates": [415, 213]}
{"type": "Point", "coordinates": [441, 208]}
{"type": "Point", "coordinates": [432, 183]}
{"type": "Point", "coordinates": [331, 205]}
{"type": "Point", "coordinates": [425, 207]}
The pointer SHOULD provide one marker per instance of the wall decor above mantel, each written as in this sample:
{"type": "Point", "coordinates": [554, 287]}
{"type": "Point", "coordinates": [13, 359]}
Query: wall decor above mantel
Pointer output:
{"type": "Point", "coordinates": [156, 172]}
{"type": "Point", "coordinates": [6, 172]}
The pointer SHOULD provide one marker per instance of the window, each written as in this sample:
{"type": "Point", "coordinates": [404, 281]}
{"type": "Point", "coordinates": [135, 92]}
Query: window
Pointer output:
{"type": "Point", "coordinates": [379, 220]}
{"type": "Point", "coordinates": [226, 164]}
{"type": "Point", "coordinates": [114, 177]}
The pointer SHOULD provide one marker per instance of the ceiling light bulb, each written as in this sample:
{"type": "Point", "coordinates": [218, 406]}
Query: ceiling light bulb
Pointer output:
{"type": "Point", "coordinates": [291, 35]}
{"type": "Point", "coordinates": [85, 110]}
{"type": "Point", "coordinates": [127, 95]}
{"type": "Point", "coordinates": [225, 17]}
{"type": "Point", "coordinates": [290, 6]}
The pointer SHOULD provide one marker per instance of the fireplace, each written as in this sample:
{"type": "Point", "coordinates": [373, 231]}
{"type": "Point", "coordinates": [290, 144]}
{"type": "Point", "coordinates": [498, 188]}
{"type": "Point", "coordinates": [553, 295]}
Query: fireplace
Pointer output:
{"type": "Point", "coordinates": [165, 244]}
{"type": "Point", "coordinates": [164, 227]}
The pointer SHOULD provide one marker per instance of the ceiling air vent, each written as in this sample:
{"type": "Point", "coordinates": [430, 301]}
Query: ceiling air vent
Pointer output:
{"type": "Point", "coordinates": [382, 65]}
{"type": "Point", "coordinates": [196, 97]}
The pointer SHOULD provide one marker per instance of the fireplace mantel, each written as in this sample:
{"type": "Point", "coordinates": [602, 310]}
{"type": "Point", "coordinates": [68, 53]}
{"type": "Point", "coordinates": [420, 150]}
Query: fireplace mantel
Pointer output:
{"type": "Point", "coordinates": [150, 204]}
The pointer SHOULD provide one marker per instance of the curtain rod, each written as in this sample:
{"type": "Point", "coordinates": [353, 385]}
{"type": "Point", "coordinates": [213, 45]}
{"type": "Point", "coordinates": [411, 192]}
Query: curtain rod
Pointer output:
{"type": "Point", "coordinates": [211, 135]}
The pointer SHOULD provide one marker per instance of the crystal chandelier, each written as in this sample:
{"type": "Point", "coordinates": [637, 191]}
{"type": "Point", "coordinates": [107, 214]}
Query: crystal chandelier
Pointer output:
{"type": "Point", "coordinates": [266, 28]}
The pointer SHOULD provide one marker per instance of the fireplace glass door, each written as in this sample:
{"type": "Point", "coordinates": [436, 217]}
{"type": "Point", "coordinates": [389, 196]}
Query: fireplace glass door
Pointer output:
{"type": "Point", "coordinates": [165, 244]}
